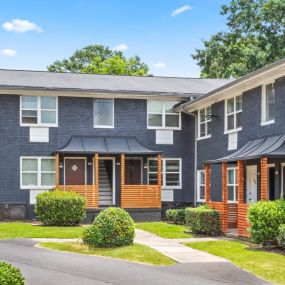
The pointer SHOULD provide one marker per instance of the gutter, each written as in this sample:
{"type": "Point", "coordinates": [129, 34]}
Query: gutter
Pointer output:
{"type": "Point", "coordinates": [195, 152]}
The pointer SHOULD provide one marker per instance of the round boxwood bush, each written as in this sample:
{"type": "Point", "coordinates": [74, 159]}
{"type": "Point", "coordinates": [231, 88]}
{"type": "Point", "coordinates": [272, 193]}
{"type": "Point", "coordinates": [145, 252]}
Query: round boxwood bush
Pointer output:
{"type": "Point", "coordinates": [265, 218]}
{"type": "Point", "coordinates": [59, 208]}
{"type": "Point", "coordinates": [10, 275]}
{"type": "Point", "coordinates": [112, 227]}
{"type": "Point", "coordinates": [281, 236]}
{"type": "Point", "coordinates": [177, 216]}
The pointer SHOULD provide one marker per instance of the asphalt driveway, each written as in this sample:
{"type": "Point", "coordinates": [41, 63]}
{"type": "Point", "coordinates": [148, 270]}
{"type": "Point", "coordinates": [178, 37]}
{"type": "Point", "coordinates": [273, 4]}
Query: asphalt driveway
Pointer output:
{"type": "Point", "coordinates": [46, 267]}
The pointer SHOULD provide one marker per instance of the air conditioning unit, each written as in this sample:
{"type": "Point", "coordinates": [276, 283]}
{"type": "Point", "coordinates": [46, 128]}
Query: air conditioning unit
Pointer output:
{"type": "Point", "coordinates": [13, 211]}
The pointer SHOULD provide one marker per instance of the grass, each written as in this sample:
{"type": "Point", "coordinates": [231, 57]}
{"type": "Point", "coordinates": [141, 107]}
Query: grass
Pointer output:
{"type": "Point", "coordinates": [135, 253]}
{"type": "Point", "coordinates": [165, 230]}
{"type": "Point", "coordinates": [267, 265]}
{"type": "Point", "coordinates": [28, 230]}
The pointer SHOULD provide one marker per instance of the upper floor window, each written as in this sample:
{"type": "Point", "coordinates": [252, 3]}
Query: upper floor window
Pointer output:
{"type": "Point", "coordinates": [201, 185]}
{"type": "Point", "coordinates": [232, 184]}
{"type": "Point", "coordinates": [104, 113]}
{"type": "Point", "coordinates": [233, 114]}
{"type": "Point", "coordinates": [160, 115]}
{"type": "Point", "coordinates": [204, 119]}
{"type": "Point", "coordinates": [37, 172]}
{"type": "Point", "coordinates": [268, 104]}
{"type": "Point", "coordinates": [38, 110]}
{"type": "Point", "coordinates": [171, 172]}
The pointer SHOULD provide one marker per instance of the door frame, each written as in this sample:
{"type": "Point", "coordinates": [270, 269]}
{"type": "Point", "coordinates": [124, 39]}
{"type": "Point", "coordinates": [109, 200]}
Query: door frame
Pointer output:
{"type": "Point", "coordinates": [113, 178]}
{"type": "Point", "coordinates": [282, 180]}
{"type": "Point", "coordinates": [85, 168]}
{"type": "Point", "coordinates": [247, 167]}
{"type": "Point", "coordinates": [137, 158]}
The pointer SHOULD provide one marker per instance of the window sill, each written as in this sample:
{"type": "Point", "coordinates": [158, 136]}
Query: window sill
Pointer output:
{"type": "Point", "coordinates": [200, 200]}
{"type": "Point", "coordinates": [103, 127]}
{"type": "Point", "coordinates": [203, 138]}
{"type": "Point", "coordinates": [164, 128]}
{"type": "Point", "coordinates": [267, 123]}
{"type": "Point", "coordinates": [37, 187]}
{"type": "Point", "coordinates": [171, 188]}
{"type": "Point", "coordinates": [233, 131]}
{"type": "Point", "coordinates": [40, 125]}
{"type": "Point", "coordinates": [232, 202]}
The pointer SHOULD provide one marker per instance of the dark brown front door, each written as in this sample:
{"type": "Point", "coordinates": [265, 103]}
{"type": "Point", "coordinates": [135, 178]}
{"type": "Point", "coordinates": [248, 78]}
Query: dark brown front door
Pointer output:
{"type": "Point", "coordinates": [133, 171]}
{"type": "Point", "coordinates": [74, 171]}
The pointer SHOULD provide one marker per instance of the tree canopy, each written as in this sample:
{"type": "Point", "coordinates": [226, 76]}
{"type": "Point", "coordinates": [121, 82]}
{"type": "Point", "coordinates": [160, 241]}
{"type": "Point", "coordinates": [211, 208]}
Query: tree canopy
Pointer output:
{"type": "Point", "coordinates": [255, 37]}
{"type": "Point", "coordinates": [100, 60]}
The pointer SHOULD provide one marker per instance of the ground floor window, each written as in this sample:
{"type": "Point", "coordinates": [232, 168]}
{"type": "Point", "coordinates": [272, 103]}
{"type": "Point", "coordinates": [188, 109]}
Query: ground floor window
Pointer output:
{"type": "Point", "coordinates": [201, 183]}
{"type": "Point", "coordinates": [232, 184]}
{"type": "Point", "coordinates": [171, 172]}
{"type": "Point", "coordinates": [37, 172]}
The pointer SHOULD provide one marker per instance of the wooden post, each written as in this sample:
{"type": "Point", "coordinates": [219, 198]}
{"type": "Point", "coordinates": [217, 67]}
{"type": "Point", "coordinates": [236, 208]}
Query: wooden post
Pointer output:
{"type": "Point", "coordinates": [57, 171]}
{"type": "Point", "coordinates": [122, 179]}
{"type": "Point", "coordinates": [225, 196]}
{"type": "Point", "coordinates": [207, 181]}
{"type": "Point", "coordinates": [264, 180]}
{"type": "Point", "coordinates": [240, 181]}
{"type": "Point", "coordinates": [159, 182]}
{"type": "Point", "coordinates": [96, 181]}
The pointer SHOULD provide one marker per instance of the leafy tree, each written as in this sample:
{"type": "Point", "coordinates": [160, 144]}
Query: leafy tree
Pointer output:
{"type": "Point", "coordinates": [255, 37]}
{"type": "Point", "coordinates": [100, 60]}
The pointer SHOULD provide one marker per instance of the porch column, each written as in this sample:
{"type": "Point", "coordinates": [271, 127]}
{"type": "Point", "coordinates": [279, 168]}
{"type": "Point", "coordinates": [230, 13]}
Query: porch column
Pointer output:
{"type": "Point", "coordinates": [96, 181]}
{"type": "Point", "coordinates": [159, 182]}
{"type": "Point", "coordinates": [240, 181]}
{"type": "Point", "coordinates": [207, 185]}
{"type": "Point", "coordinates": [57, 171]}
{"type": "Point", "coordinates": [264, 180]}
{"type": "Point", "coordinates": [225, 196]}
{"type": "Point", "coordinates": [123, 180]}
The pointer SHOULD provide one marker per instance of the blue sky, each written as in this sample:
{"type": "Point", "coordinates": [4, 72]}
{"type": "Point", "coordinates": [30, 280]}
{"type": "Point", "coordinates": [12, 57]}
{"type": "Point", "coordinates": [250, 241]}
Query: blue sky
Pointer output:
{"type": "Point", "coordinates": [163, 33]}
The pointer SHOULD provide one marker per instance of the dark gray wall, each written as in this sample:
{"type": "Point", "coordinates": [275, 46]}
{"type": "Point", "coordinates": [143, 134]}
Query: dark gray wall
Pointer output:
{"type": "Point", "coordinates": [217, 145]}
{"type": "Point", "coordinates": [75, 117]}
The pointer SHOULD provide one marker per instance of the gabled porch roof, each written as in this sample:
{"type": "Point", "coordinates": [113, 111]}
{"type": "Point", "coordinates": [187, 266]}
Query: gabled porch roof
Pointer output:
{"type": "Point", "coordinates": [266, 147]}
{"type": "Point", "coordinates": [105, 145]}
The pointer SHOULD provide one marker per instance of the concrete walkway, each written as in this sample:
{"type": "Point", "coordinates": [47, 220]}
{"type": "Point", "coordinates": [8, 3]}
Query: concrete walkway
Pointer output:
{"type": "Point", "coordinates": [175, 250]}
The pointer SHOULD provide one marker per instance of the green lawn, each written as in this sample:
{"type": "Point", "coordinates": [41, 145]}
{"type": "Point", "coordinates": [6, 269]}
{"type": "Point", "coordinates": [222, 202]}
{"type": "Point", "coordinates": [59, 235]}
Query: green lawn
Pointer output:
{"type": "Point", "coordinates": [27, 230]}
{"type": "Point", "coordinates": [165, 230]}
{"type": "Point", "coordinates": [135, 253]}
{"type": "Point", "coordinates": [267, 265]}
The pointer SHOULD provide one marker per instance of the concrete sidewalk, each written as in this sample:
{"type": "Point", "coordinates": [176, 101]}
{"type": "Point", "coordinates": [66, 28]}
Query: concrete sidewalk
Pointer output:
{"type": "Point", "coordinates": [175, 250]}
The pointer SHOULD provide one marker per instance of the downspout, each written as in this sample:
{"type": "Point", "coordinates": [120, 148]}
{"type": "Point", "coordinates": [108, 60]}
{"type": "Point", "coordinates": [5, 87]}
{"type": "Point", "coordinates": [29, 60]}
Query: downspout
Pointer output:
{"type": "Point", "coordinates": [195, 153]}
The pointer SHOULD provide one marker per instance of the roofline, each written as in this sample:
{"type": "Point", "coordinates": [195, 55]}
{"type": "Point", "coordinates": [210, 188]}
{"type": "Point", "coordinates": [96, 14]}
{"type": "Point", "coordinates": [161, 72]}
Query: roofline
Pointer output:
{"type": "Point", "coordinates": [233, 83]}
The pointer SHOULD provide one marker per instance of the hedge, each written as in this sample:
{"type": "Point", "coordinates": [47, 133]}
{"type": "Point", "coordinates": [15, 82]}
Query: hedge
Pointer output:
{"type": "Point", "coordinates": [281, 236]}
{"type": "Point", "coordinates": [112, 227]}
{"type": "Point", "coordinates": [203, 220]}
{"type": "Point", "coordinates": [10, 275]}
{"type": "Point", "coordinates": [265, 218]}
{"type": "Point", "coordinates": [59, 208]}
{"type": "Point", "coordinates": [176, 215]}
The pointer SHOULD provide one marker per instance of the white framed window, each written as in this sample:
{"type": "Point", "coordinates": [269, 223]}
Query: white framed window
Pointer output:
{"type": "Point", "coordinates": [268, 104]}
{"type": "Point", "coordinates": [233, 114]}
{"type": "Point", "coordinates": [160, 115]}
{"type": "Point", "coordinates": [171, 172]}
{"type": "Point", "coordinates": [38, 111]}
{"type": "Point", "coordinates": [201, 185]}
{"type": "Point", "coordinates": [103, 113]}
{"type": "Point", "coordinates": [232, 184]}
{"type": "Point", "coordinates": [37, 172]}
{"type": "Point", "coordinates": [204, 123]}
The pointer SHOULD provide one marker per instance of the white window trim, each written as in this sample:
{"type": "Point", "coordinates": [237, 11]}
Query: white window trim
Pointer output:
{"type": "Point", "coordinates": [226, 131]}
{"type": "Point", "coordinates": [39, 172]}
{"type": "Point", "coordinates": [206, 122]}
{"type": "Point", "coordinates": [235, 185]}
{"type": "Point", "coordinates": [39, 113]}
{"type": "Point", "coordinates": [104, 126]}
{"type": "Point", "coordinates": [164, 187]}
{"type": "Point", "coordinates": [263, 105]}
{"type": "Point", "coordinates": [163, 117]}
{"type": "Point", "coordinates": [199, 184]}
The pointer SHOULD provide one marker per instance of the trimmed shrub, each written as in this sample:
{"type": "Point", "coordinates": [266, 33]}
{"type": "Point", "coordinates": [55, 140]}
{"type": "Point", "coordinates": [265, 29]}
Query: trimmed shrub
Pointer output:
{"type": "Point", "coordinates": [281, 236]}
{"type": "Point", "coordinates": [10, 275]}
{"type": "Point", "coordinates": [58, 208]}
{"type": "Point", "coordinates": [203, 220]}
{"type": "Point", "coordinates": [112, 227]}
{"type": "Point", "coordinates": [176, 215]}
{"type": "Point", "coordinates": [265, 217]}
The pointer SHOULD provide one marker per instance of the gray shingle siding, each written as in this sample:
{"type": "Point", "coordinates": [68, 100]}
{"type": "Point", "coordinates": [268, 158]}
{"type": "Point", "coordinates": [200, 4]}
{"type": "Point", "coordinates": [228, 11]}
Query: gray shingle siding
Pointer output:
{"type": "Point", "coordinates": [75, 117]}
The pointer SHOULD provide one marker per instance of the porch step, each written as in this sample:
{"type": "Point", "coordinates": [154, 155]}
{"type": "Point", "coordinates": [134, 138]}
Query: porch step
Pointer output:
{"type": "Point", "coordinates": [105, 186]}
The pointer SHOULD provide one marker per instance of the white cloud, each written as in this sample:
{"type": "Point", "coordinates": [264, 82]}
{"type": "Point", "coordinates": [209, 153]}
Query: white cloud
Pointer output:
{"type": "Point", "coordinates": [8, 52]}
{"type": "Point", "coordinates": [159, 64]}
{"type": "Point", "coordinates": [121, 47]}
{"type": "Point", "coordinates": [21, 26]}
{"type": "Point", "coordinates": [181, 10]}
